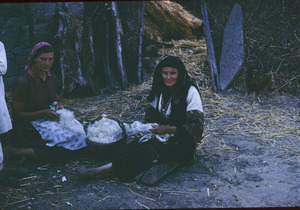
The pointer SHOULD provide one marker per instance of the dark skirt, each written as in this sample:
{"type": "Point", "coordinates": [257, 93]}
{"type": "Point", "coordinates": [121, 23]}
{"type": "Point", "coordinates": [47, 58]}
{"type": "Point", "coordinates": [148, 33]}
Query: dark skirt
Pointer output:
{"type": "Point", "coordinates": [26, 136]}
{"type": "Point", "coordinates": [134, 158]}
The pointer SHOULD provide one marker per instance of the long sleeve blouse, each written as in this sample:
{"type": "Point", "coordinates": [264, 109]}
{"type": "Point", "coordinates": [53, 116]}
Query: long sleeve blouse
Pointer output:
{"type": "Point", "coordinates": [189, 126]}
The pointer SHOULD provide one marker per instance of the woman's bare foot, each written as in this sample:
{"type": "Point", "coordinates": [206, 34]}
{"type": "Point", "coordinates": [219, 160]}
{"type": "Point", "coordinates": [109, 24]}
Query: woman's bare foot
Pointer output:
{"type": "Point", "coordinates": [91, 172]}
{"type": "Point", "coordinates": [11, 152]}
{"type": "Point", "coordinates": [86, 173]}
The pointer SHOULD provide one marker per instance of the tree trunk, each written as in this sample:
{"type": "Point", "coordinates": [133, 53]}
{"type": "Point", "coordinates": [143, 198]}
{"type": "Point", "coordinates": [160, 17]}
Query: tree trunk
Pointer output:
{"type": "Point", "coordinates": [118, 44]}
{"type": "Point", "coordinates": [101, 50]}
{"type": "Point", "coordinates": [210, 49]}
{"type": "Point", "coordinates": [132, 20]}
{"type": "Point", "coordinates": [109, 76]}
{"type": "Point", "coordinates": [140, 77]}
{"type": "Point", "coordinates": [68, 42]}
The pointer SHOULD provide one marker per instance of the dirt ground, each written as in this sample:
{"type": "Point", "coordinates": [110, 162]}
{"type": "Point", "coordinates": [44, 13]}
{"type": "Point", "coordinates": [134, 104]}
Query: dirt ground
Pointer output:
{"type": "Point", "coordinates": [249, 157]}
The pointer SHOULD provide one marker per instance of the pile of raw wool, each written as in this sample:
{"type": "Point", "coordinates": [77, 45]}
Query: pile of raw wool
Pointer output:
{"type": "Point", "coordinates": [104, 131]}
{"type": "Point", "coordinates": [141, 131]}
{"type": "Point", "coordinates": [66, 132]}
{"type": "Point", "coordinates": [67, 120]}
{"type": "Point", "coordinates": [138, 128]}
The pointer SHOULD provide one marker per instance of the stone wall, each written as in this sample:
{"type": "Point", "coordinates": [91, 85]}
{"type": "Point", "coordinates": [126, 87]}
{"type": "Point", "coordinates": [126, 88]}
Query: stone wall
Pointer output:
{"type": "Point", "coordinates": [22, 25]}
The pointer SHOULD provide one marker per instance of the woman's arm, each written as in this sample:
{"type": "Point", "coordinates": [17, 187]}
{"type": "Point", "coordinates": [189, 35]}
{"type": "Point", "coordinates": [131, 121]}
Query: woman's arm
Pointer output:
{"type": "Point", "coordinates": [163, 129]}
{"type": "Point", "coordinates": [28, 116]}
{"type": "Point", "coordinates": [193, 126]}
{"type": "Point", "coordinates": [194, 123]}
{"type": "Point", "coordinates": [153, 116]}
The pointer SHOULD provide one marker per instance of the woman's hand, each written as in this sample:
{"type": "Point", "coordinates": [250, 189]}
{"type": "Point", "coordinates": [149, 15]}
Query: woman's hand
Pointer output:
{"type": "Point", "coordinates": [162, 129]}
{"type": "Point", "coordinates": [28, 116]}
{"type": "Point", "coordinates": [51, 114]}
{"type": "Point", "coordinates": [58, 106]}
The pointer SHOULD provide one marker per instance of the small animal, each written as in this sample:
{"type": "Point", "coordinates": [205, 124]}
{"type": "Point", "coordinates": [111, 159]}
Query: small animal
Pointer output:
{"type": "Point", "coordinates": [255, 85]}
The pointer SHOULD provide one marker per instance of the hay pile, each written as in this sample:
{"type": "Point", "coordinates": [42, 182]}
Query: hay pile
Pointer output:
{"type": "Point", "coordinates": [272, 42]}
{"type": "Point", "coordinates": [166, 20]}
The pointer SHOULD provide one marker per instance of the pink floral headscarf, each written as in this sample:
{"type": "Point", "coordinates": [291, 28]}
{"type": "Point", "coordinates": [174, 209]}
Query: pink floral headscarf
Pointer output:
{"type": "Point", "coordinates": [32, 53]}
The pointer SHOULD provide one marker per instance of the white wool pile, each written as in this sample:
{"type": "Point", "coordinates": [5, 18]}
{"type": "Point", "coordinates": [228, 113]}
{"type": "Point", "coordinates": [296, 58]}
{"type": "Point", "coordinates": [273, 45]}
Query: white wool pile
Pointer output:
{"type": "Point", "coordinates": [104, 131]}
{"type": "Point", "coordinates": [138, 127]}
{"type": "Point", "coordinates": [142, 130]}
{"type": "Point", "coordinates": [68, 121]}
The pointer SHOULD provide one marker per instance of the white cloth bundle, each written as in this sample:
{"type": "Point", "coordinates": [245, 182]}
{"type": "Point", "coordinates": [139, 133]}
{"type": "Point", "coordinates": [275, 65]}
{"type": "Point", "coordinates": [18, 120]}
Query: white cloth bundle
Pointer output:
{"type": "Point", "coordinates": [67, 132]}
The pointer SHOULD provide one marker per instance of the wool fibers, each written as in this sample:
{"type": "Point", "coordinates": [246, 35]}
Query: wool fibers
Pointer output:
{"type": "Point", "coordinates": [104, 131]}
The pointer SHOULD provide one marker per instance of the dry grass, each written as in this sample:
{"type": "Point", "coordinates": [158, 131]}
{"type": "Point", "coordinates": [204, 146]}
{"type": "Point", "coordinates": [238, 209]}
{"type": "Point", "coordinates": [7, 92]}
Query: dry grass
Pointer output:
{"type": "Point", "coordinates": [273, 126]}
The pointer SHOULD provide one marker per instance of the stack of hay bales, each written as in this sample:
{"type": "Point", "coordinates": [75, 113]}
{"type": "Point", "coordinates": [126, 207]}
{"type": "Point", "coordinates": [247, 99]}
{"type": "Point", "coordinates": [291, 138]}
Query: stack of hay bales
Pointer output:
{"type": "Point", "coordinates": [167, 20]}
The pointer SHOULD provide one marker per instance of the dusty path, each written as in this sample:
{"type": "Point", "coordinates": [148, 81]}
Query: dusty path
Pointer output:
{"type": "Point", "coordinates": [250, 157]}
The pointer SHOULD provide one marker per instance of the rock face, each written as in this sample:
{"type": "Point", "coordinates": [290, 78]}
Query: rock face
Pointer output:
{"type": "Point", "coordinates": [232, 56]}
{"type": "Point", "coordinates": [22, 25]}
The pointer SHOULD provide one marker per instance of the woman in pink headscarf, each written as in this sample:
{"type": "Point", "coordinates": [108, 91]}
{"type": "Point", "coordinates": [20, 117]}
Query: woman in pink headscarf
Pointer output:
{"type": "Point", "coordinates": [33, 93]}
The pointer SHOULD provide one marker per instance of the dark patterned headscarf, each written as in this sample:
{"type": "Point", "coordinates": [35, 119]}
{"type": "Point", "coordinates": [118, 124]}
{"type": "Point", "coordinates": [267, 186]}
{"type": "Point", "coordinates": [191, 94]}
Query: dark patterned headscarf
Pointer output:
{"type": "Point", "coordinates": [179, 94]}
{"type": "Point", "coordinates": [158, 85]}
{"type": "Point", "coordinates": [33, 52]}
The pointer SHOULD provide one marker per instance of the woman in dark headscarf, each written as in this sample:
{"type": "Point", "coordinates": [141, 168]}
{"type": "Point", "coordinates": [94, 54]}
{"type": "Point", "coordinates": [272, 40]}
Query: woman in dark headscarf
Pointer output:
{"type": "Point", "coordinates": [175, 104]}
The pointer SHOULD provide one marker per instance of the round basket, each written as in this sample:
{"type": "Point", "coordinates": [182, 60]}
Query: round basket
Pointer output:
{"type": "Point", "coordinates": [120, 139]}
